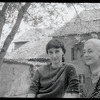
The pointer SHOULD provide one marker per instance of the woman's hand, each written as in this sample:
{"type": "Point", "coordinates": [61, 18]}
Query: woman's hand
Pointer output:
{"type": "Point", "coordinates": [31, 96]}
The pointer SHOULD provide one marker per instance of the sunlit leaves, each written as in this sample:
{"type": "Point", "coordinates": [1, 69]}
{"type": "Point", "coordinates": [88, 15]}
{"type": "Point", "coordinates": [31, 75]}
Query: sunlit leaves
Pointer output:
{"type": "Point", "coordinates": [45, 13]}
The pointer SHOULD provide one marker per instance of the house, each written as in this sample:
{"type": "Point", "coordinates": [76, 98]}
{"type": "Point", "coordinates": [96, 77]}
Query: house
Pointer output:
{"type": "Point", "coordinates": [28, 45]}
{"type": "Point", "coordinates": [31, 50]}
{"type": "Point", "coordinates": [74, 33]}
{"type": "Point", "coordinates": [34, 34]}
{"type": "Point", "coordinates": [20, 61]}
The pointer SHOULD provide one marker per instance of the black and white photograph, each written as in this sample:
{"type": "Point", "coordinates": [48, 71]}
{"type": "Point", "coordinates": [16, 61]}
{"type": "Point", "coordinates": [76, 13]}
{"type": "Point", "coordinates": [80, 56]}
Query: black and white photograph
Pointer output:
{"type": "Point", "coordinates": [49, 50]}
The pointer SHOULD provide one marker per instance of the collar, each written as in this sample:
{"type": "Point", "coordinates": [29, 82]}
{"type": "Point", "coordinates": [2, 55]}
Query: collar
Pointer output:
{"type": "Point", "coordinates": [96, 72]}
{"type": "Point", "coordinates": [95, 75]}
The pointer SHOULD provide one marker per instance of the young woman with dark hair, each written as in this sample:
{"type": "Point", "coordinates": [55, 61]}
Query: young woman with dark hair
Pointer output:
{"type": "Point", "coordinates": [57, 79]}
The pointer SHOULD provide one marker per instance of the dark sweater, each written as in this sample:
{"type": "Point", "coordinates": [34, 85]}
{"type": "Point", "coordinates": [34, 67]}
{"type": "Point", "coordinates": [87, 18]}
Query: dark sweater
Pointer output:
{"type": "Point", "coordinates": [51, 82]}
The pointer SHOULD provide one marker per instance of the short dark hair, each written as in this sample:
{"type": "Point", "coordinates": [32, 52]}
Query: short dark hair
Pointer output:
{"type": "Point", "coordinates": [55, 43]}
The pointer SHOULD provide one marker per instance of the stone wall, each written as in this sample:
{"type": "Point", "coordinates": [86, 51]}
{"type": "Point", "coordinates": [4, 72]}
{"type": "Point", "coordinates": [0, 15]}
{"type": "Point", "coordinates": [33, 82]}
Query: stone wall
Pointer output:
{"type": "Point", "coordinates": [13, 79]}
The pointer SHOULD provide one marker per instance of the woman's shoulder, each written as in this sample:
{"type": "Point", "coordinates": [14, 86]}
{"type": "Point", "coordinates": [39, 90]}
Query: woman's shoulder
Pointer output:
{"type": "Point", "coordinates": [70, 69]}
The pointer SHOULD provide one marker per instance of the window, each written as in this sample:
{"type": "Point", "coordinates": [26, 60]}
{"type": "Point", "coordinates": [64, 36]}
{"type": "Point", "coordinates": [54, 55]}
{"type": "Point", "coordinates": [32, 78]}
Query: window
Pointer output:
{"type": "Point", "coordinates": [73, 54]}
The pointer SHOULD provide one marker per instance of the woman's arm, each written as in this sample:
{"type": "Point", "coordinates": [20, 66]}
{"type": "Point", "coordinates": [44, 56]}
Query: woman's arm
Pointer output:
{"type": "Point", "coordinates": [31, 96]}
{"type": "Point", "coordinates": [34, 86]}
{"type": "Point", "coordinates": [73, 83]}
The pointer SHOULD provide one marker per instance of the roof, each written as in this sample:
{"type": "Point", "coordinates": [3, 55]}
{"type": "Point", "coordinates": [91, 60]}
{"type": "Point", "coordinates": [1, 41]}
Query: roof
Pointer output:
{"type": "Point", "coordinates": [90, 22]}
{"type": "Point", "coordinates": [87, 15]}
{"type": "Point", "coordinates": [17, 61]}
{"type": "Point", "coordinates": [23, 61]}
{"type": "Point", "coordinates": [33, 34]}
{"type": "Point", "coordinates": [80, 28]}
{"type": "Point", "coordinates": [32, 49]}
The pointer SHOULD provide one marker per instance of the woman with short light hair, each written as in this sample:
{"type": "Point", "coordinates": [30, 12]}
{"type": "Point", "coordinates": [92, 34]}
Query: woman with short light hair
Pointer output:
{"type": "Point", "coordinates": [91, 55]}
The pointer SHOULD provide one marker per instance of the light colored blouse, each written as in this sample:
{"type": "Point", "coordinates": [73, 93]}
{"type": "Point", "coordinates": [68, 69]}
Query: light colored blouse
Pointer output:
{"type": "Point", "coordinates": [91, 87]}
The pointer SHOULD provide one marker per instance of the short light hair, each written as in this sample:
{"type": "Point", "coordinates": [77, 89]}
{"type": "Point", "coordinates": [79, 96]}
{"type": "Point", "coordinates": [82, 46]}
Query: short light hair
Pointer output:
{"type": "Point", "coordinates": [95, 42]}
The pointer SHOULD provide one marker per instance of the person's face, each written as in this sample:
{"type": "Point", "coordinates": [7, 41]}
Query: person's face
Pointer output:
{"type": "Point", "coordinates": [55, 55]}
{"type": "Point", "coordinates": [91, 54]}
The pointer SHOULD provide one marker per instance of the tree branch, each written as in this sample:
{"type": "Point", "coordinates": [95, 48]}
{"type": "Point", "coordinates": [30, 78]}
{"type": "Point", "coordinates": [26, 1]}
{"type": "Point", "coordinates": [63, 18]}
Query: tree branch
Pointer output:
{"type": "Point", "coordinates": [76, 12]}
{"type": "Point", "coordinates": [4, 8]}
{"type": "Point", "coordinates": [57, 12]}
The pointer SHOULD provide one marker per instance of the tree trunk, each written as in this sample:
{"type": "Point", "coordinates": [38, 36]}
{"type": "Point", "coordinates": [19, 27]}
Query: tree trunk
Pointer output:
{"type": "Point", "coordinates": [2, 17]}
{"type": "Point", "coordinates": [13, 32]}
